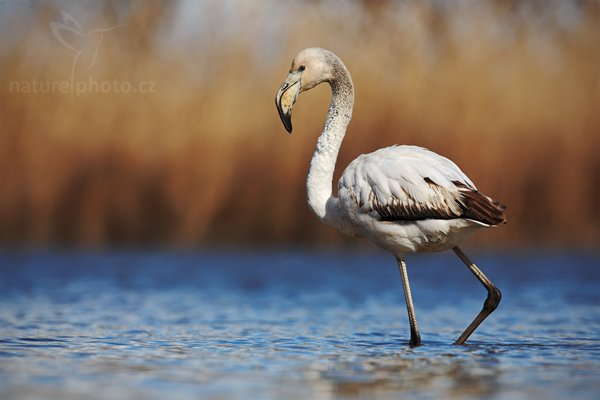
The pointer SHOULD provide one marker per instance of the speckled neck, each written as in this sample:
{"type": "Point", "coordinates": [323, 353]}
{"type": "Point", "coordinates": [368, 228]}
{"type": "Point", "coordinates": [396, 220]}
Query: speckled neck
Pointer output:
{"type": "Point", "coordinates": [322, 166]}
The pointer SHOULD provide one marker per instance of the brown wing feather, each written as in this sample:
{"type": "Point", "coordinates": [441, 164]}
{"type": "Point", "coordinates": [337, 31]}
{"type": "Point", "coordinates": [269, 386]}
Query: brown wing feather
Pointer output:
{"type": "Point", "coordinates": [479, 207]}
{"type": "Point", "coordinates": [414, 211]}
{"type": "Point", "coordinates": [472, 205]}
{"type": "Point", "coordinates": [404, 212]}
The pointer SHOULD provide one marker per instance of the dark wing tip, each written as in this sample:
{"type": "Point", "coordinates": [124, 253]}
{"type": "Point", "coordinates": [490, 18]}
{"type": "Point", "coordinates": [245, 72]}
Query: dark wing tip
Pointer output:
{"type": "Point", "coordinates": [479, 207]}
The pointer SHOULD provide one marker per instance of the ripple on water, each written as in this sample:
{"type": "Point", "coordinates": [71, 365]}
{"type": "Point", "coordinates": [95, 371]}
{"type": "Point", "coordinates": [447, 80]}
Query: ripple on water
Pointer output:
{"type": "Point", "coordinates": [231, 326]}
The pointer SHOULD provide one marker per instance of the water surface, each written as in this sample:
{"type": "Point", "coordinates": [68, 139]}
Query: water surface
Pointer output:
{"type": "Point", "coordinates": [294, 325]}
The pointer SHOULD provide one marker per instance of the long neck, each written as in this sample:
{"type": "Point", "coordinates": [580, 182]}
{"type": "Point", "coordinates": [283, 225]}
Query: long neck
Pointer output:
{"type": "Point", "coordinates": [320, 174]}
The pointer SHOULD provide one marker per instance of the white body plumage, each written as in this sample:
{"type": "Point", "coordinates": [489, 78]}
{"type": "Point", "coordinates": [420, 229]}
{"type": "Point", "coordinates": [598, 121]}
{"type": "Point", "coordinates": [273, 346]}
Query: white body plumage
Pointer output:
{"type": "Point", "coordinates": [394, 178]}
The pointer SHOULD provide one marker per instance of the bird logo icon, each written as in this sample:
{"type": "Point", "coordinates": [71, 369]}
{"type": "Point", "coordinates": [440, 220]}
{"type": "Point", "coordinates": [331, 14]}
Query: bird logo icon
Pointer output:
{"type": "Point", "coordinates": [85, 45]}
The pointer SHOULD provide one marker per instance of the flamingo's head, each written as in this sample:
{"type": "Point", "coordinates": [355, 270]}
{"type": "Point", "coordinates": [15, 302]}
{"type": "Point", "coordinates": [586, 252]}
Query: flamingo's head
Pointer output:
{"type": "Point", "coordinates": [310, 67]}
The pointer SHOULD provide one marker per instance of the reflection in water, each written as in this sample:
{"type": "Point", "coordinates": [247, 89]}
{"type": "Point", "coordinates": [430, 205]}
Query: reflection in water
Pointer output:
{"type": "Point", "coordinates": [440, 370]}
{"type": "Point", "coordinates": [316, 326]}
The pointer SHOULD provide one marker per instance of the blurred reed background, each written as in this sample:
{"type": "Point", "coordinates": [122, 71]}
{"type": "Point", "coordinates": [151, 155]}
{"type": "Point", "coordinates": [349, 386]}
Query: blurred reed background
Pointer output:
{"type": "Point", "coordinates": [194, 153]}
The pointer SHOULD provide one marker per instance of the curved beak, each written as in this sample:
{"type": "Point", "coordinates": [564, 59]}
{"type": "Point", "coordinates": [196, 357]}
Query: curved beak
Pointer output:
{"type": "Point", "coordinates": [286, 97]}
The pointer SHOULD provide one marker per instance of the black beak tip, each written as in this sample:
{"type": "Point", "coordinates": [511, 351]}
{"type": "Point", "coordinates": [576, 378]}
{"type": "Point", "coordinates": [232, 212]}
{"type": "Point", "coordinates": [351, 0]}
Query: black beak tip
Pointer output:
{"type": "Point", "coordinates": [287, 120]}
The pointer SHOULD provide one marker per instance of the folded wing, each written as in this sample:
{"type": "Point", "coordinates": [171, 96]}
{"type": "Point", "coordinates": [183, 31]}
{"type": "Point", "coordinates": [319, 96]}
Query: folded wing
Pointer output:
{"type": "Point", "coordinates": [409, 183]}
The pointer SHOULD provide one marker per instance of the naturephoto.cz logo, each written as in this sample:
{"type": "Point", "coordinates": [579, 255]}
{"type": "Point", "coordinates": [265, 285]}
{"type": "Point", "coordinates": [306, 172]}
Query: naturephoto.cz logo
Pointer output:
{"type": "Point", "coordinates": [85, 46]}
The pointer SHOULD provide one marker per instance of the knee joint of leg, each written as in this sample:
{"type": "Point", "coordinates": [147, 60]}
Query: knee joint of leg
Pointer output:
{"type": "Point", "coordinates": [493, 298]}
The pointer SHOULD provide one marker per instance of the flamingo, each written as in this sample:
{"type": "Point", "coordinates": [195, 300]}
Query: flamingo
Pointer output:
{"type": "Point", "coordinates": [405, 199]}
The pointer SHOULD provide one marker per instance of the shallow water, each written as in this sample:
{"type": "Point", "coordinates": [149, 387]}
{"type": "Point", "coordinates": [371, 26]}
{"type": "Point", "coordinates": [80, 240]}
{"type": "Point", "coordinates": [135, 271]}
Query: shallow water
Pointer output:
{"type": "Point", "coordinates": [294, 325]}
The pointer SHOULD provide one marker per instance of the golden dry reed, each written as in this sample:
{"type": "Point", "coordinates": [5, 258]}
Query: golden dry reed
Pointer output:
{"type": "Point", "coordinates": [160, 127]}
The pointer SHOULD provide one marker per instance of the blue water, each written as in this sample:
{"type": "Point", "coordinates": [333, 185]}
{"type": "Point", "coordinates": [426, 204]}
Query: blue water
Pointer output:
{"type": "Point", "coordinates": [294, 325]}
